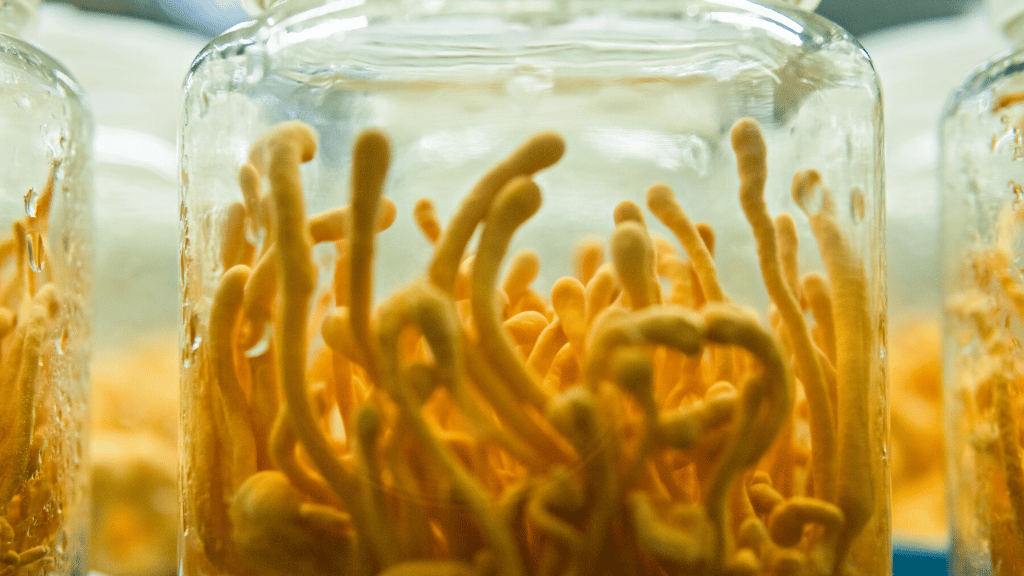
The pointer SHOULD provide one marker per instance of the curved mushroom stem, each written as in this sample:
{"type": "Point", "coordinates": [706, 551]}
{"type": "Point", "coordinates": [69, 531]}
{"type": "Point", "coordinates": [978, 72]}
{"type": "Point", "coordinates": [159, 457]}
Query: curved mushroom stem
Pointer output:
{"type": "Point", "coordinates": [289, 145]}
{"type": "Point", "coordinates": [751, 165]}
{"type": "Point", "coordinates": [16, 436]}
{"type": "Point", "coordinates": [516, 203]}
{"type": "Point", "coordinates": [425, 307]}
{"type": "Point", "coordinates": [855, 479]}
{"type": "Point", "coordinates": [370, 159]}
{"type": "Point", "coordinates": [766, 399]}
{"type": "Point", "coordinates": [225, 314]}
{"type": "Point", "coordinates": [537, 153]}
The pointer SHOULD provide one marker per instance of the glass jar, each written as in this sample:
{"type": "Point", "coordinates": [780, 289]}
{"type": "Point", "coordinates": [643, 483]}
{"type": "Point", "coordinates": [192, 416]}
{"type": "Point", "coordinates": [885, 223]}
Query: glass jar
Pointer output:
{"type": "Point", "coordinates": [661, 351]}
{"type": "Point", "coordinates": [982, 194]}
{"type": "Point", "coordinates": [45, 267]}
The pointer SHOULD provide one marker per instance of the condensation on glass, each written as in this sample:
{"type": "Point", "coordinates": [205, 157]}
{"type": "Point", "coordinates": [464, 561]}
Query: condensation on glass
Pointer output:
{"type": "Point", "coordinates": [45, 263]}
{"type": "Point", "coordinates": [528, 287]}
{"type": "Point", "coordinates": [982, 174]}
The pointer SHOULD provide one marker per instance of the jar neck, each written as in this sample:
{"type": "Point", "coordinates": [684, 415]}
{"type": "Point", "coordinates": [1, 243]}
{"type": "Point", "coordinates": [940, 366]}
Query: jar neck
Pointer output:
{"type": "Point", "coordinates": [16, 16]}
{"type": "Point", "coordinates": [256, 7]}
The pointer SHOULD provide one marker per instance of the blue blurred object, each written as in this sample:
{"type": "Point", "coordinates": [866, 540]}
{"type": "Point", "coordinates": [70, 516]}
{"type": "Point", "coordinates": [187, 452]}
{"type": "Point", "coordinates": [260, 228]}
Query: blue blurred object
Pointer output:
{"type": "Point", "coordinates": [211, 17]}
{"type": "Point", "coordinates": [908, 561]}
{"type": "Point", "coordinates": [205, 17]}
{"type": "Point", "coordinates": [861, 17]}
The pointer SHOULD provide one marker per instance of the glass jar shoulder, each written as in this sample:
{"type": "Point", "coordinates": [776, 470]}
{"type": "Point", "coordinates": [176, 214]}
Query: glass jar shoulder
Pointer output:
{"type": "Point", "coordinates": [718, 38]}
{"type": "Point", "coordinates": [27, 65]}
{"type": "Point", "coordinates": [28, 72]}
{"type": "Point", "coordinates": [993, 86]}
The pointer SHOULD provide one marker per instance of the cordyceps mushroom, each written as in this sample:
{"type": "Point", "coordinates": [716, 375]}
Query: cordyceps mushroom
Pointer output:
{"type": "Point", "coordinates": [29, 311]}
{"type": "Point", "coordinates": [855, 489]}
{"type": "Point", "coordinates": [426, 308]}
{"type": "Point", "coordinates": [988, 306]}
{"type": "Point", "coordinates": [469, 425]}
{"type": "Point", "coordinates": [277, 533]}
{"type": "Point", "coordinates": [750, 159]}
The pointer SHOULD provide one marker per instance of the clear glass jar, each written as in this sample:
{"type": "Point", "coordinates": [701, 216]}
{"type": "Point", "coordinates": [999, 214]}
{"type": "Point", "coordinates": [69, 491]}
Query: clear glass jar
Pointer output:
{"type": "Point", "coordinates": [45, 274]}
{"type": "Point", "coordinates": [603, 383]}
{"type": "Point", "coordinates": [981, 176]}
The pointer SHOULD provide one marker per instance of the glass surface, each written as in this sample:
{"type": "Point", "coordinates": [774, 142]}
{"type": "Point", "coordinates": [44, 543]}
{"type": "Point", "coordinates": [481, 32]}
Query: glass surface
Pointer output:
{"type": "Point", "coordinates": [981, 152]}
{"type": "Point", "coordinates": [45, 267]}
{"type": "Point", "coordinates": [649, 93]}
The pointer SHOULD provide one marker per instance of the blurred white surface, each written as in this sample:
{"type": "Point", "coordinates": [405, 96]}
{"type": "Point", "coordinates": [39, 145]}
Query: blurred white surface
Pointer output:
{"type": "Point", "coordinates": [131, 69]}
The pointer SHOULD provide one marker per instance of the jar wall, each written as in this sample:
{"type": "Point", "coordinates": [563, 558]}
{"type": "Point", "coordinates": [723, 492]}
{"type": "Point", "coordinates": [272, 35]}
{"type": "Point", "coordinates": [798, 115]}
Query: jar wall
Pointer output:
{"type": "Point", "coordinates": [980, 168]}
{"type": "Point", "coordinates": [45, 271]}
{"type": "Point", "coordinates": [637, 98]}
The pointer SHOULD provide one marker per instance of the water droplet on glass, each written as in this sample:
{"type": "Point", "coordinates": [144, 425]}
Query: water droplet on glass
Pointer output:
{"type": "Point", "coordinates": [62, 341]}
{"type": "Point", "coordinates": [813, 198]}
{"type": "Point", "coordinates": [858, 205]}
{"type": "Point", "coordinates": [194, 339]}
{"type": "Point", "coordinates": [68, 245]}
{"type": "Point", "coordinates": [263, 344]}
{"type": "Point", "coordinates": [35, 252]}
{"type": "Point", "coordinates": [31, 202]}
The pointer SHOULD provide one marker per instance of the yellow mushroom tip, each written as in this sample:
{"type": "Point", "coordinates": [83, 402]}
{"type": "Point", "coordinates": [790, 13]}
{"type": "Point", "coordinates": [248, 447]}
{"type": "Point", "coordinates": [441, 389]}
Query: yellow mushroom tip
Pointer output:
{"type": "Point", "coordinates": [298, 134]}
{"type": "Point", "coordinates": [266, 496]}
{"type": "Point", "coordinates": [373, 145]}
{"type": "Point", "coordinates": [659, 196]}
{"type": "Point", "coordinates": [628, 242]}
{"type": "Point", "coordinates": [567, 289]}
{"type": "Point", "coordinates": [807, 190]}
{"type": "Point", "coordinates": [540, 151]}
{"type": "Point", "coordinates": [387, 214]}
{"type": "Point", "coordinates": [518, 200]}
{"type": "Point", "coordinates": [745, 131]}
{"type": "Point", "coordinates": [627, 211]}
{"type": "Point", "coordinates": [248, 176]}
{"type": "Point", "coordinates": [750, 149]}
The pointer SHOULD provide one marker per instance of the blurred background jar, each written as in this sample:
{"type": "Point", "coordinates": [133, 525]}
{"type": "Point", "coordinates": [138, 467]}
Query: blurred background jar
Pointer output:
{"type": "Point", "coordinates": [299, 424]}
{"type": "Point", "coordinates": [981, 172]}
{"type": "Point", "coordinates": [46, 254]}
{"type": "Point", "coordinates": [132, 70]}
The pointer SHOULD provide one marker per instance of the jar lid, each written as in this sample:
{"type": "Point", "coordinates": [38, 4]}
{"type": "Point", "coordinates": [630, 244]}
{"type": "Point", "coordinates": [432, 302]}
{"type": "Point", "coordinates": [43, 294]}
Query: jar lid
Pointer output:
{"type": "Point", "coordinates": [1008, 17]}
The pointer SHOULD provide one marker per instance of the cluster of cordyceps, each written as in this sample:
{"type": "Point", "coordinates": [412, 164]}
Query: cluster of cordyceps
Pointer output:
{"type": "Point", "coordinates": [990, 307]}
{"type": "Point", "coordinates": [30, 518]}
{"type": "Point", "coordinates": [635, 422]}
